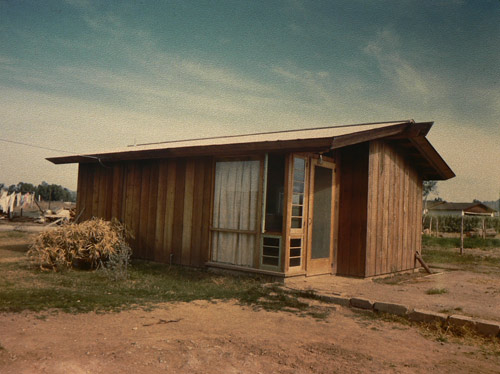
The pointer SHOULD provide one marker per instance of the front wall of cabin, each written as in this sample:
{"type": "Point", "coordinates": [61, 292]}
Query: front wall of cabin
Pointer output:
{"type": "Point", "coordinates": [166, 204]}
{"type": "Point", "coordinates": [353, 166]}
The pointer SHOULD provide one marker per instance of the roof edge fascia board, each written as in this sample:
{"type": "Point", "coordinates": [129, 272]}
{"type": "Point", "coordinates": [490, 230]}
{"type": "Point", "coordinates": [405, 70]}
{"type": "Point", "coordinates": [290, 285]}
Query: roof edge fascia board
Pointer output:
{"type": "Point", "coordinates": [414, 130]}
{"type": "Point", "coordinates": [422, 144]}
{"type": "Point", "coordinates": [365, 136]}
{"type": "Point", "coordinates": [306, 145]}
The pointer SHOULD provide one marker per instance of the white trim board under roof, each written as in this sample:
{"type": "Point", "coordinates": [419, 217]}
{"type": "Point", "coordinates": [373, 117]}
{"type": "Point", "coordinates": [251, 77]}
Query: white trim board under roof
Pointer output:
{"type": "Point", "coordinates": [319, 139]}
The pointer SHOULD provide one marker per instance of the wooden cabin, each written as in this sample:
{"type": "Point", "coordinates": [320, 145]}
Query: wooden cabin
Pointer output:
{"type": "Point", "coordinates": [343, 200]}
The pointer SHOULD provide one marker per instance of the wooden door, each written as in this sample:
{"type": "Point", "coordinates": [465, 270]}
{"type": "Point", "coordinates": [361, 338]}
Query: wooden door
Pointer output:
{"type": "Point", "coordinates": [320, 222]}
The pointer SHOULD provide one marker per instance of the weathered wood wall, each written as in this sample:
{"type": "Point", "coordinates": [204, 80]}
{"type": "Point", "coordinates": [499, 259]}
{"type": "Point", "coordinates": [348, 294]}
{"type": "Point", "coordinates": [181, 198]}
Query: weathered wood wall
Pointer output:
{"type": "Point", "coordinates": [351, 247]}
{"type": "Point", "coordinates": [394, 223]}
{"type": "Point", "coordinates": [166, 203]}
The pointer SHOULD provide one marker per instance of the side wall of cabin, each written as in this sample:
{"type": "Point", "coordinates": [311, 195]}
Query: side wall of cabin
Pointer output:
{"type": "Point", "coordinates": [394, 211]}
{"type": "Point", "coordinates": [166, 204]}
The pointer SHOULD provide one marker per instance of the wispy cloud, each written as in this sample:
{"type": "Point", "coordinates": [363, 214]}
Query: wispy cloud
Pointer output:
{"type": "Point", "coordinates": [161, 83]}
{"type": "Point", "coordinates": [110, 80]}
{"type": "Point", "coordinates": [6, 61]}
{"type": "Point", "coordinates": [394, 67]}
{"type": "Point", "coordinates": [312, 81]}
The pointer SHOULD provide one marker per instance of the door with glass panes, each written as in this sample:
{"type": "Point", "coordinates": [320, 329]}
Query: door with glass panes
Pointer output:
{"type": "Point", "coordinates": [311, 218]}
{"type": "Point", "coordinates": [320, 217]}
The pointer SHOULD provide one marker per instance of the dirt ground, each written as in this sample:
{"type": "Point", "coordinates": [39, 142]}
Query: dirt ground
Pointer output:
{"type": "Point", "coordinates": [223, 337]}
{"type": "Point", "coordinates": [475, 294]}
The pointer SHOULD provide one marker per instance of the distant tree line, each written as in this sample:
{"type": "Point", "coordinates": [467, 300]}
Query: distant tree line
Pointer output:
{"type": "Point", "coordinates": [48, 192]}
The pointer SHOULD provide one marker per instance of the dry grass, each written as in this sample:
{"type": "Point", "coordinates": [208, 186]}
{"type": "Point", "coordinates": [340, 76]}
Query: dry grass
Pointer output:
{"type": "Point", "coordinates": [84, 245]}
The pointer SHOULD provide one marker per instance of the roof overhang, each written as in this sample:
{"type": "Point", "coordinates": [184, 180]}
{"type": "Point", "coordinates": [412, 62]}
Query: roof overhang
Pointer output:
{"type": "Point", "coordinates": [304, 140]}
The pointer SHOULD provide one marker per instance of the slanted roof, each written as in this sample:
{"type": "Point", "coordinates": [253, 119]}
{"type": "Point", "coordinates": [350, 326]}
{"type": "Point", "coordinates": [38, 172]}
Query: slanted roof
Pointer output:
{"type": "Point", "coordinates": [319, 139]}
{"type": "Point", "coordinates": [465, 207]}
{"type": "Point", "coordinates": [432, 203]}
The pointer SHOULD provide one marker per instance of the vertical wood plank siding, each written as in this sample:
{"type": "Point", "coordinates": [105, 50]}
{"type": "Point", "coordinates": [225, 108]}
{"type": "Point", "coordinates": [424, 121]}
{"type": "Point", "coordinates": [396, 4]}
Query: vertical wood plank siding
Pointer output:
{"type": "Point", "coordinates": [394, 209]}
{"type": "Point", "coordinates": [166, 203]}
{"type": "Point", "coordinates": [351, 252]}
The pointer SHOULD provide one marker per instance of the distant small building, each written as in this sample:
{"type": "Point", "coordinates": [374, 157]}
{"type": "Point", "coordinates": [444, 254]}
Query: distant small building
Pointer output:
{"type": "Point", "coordinates": [443, 208]}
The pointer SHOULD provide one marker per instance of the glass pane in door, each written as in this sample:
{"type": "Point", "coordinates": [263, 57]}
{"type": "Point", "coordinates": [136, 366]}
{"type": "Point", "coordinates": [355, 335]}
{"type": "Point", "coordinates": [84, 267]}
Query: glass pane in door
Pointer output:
{"type": "Point", "coordinates": [322, 213]}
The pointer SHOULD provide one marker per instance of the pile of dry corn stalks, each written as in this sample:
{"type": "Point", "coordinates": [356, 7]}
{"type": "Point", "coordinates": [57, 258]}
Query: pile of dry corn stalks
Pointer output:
{"type": "Point", "coordinates": [84, 245]}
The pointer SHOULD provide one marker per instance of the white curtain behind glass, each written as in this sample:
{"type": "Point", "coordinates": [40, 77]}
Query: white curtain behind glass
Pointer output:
{"type": "Point", "coordinates": [235, 207]}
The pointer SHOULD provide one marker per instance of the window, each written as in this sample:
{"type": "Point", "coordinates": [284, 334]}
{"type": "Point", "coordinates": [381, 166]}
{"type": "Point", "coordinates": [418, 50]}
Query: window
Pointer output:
{"type": "Point", "coordinates": [234, 221]}
{"type": "Point", "coordinates": [275, 193]}
{"type": "Point", "coordinates": [295, 252]}
{"type": "Point", "coordinates": [271, 250]}
{"type": "Point", "coordinates": [299, 179]}
{"type": "Point", "coordinates": [297, 212]}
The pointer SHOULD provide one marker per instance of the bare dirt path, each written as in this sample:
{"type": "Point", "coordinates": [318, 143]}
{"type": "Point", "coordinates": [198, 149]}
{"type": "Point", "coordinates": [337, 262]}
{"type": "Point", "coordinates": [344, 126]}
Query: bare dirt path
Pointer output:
{"type": "Point", "coordinates": [204, 337]}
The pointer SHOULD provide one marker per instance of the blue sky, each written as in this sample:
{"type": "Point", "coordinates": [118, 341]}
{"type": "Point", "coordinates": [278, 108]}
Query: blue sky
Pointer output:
{"type": "Point", "coordinates": [85, 76]}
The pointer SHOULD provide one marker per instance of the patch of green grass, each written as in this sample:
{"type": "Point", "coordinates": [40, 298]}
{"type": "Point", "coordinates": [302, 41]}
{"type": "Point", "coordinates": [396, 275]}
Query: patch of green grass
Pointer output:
{"type": "Point", "coordinates": [446, 256]}
{"type": "Point", "coordinates": [436, 291]}
{"type": "Point", "coordinates": [13, 234]}
{"type": "Point", "coordinates": [368, 315]}
{"type": "Point", "coordinates": [74, 291]}
{"type": "Point", "coordinates": [444, 251]}
{"type": "Point", "coordinates": [490, 346]}
{"type": "Point", "coordinates": [399, 278]}
{"type": "Point", "coordinates": [275, 298]}
{"type": "Point", "coordinates": [432, 241]}
{"type": "Point", "coordinates": [437, 331]}
{"type": "Point", "coordinates": [441, 338]}
{"type": "Point", "coordinates": [13, 250]}
{"type": "Point", "coordinates": [450, 311]}
{"type": "Point", "coordinates": [83, 291]}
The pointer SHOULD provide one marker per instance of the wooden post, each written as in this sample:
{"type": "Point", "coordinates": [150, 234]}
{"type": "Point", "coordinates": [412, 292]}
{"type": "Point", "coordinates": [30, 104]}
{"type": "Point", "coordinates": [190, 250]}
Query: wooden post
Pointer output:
{"type": "Point", "coordinates": [430, 227]}
{"type": "Point", "coordinates": [40, 209]}
{"type": "Point", "coordinates": [484, 229]}
{"type": "Point", "coordinates": [422, 262]}
{"type": "Point", "coordinates": [437, 226]}
{"type": "Point", "coordinates": [462, 235]}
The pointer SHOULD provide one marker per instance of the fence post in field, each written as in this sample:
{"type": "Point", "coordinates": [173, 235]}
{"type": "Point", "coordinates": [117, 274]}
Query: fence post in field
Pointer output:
{"type": "Point", "coordinates": [462, 235]}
